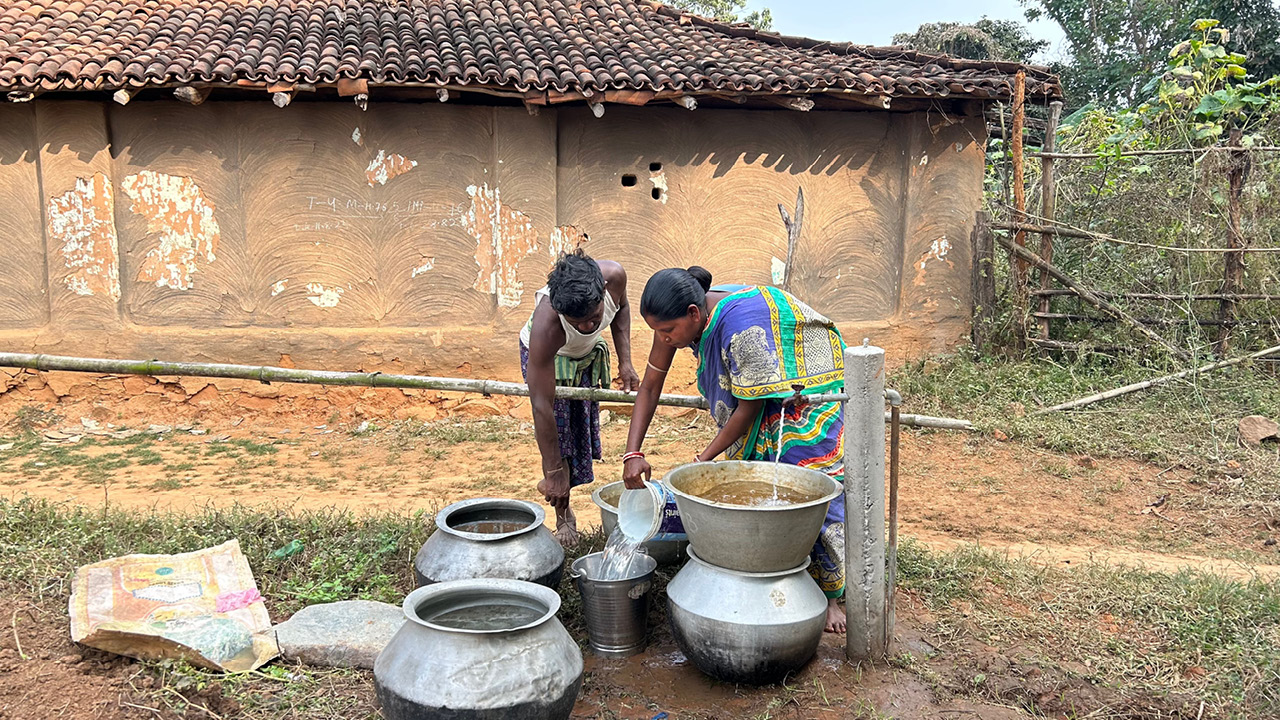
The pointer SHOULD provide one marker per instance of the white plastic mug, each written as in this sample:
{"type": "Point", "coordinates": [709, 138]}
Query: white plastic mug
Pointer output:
{"type": "Point", "coordinates": [640, 512]}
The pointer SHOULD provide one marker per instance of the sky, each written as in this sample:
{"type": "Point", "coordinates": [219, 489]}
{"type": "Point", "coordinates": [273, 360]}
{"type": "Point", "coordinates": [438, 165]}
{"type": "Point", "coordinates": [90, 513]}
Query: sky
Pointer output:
{"type": "Point", "coordinates": [875, 22]}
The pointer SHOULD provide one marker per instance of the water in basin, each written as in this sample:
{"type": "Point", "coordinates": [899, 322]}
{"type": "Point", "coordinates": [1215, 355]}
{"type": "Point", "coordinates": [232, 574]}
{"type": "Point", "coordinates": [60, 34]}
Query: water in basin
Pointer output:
{"type": "Point", "coordinates": [756, 493]}
{"type": "Point", "coordinates": [492, 616]}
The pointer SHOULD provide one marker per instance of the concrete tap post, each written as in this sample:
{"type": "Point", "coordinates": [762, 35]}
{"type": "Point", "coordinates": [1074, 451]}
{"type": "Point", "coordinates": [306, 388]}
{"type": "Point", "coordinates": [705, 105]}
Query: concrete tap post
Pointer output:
{"type": "Point", "coordinates": [864, 502]}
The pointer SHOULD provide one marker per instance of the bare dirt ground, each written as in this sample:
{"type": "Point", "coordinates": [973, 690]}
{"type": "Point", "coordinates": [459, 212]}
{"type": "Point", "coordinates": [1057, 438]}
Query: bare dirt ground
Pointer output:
{"type": "Point", "coordinates": [955, 488]}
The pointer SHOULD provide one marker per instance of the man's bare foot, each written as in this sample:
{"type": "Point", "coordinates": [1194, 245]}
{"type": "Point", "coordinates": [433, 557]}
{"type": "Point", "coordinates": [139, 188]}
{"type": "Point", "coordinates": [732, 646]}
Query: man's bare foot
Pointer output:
{"type": "Point", "coordinates": [566, 528]}
{"type": "Point", "coordinates": [835, 616]}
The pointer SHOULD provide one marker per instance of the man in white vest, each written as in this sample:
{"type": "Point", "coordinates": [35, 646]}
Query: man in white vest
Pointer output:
{"type": "Point", "coordinates": [562, 344]}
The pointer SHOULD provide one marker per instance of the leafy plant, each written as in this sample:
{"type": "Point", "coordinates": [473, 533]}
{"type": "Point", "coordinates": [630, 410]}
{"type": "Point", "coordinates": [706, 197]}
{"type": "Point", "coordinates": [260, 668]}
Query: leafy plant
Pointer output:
{"type": "Point", "coordinates": [728, 11]}
{"type": "Point", "coordinates": [986, 39]}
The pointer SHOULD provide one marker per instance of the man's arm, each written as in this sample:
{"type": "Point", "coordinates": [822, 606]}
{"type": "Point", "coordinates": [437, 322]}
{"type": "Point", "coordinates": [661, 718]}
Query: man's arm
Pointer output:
{"type": "Point", "coordinates": [542, 394]}
{"type": "Point", "coordinates": [620, 328]}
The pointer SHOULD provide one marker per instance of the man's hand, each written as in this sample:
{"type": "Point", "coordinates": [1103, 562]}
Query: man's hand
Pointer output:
{"type": "Point", "coordinates": [635, 472]}
{"type": "Point", "coordinates": [628, 380]}
{"type": "Point", "coordinates": [555, 487]}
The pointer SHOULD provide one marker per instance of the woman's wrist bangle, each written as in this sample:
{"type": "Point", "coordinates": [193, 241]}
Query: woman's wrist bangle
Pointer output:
{"type": "Point", "coordinates": [632, 456]}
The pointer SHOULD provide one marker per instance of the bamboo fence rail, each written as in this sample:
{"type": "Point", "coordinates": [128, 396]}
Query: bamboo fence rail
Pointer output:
{"type": "Point", "coordinates": [269, 374]}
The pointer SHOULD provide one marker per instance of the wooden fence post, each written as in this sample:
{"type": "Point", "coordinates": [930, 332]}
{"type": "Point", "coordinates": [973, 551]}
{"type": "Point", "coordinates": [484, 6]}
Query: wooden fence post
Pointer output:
{"type": "Point", "coordinates": [1233, 262]}
{"type": "Point", "coordinates": [1048, 208]}
{"type": "Point", "coordinates": [1020, 299]}
{"type": "Point", "coordinates": [983, 278]}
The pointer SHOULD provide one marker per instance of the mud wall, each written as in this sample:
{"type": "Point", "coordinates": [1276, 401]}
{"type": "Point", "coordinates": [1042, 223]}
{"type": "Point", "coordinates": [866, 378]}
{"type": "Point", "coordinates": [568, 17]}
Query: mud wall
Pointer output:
{"type": "Point", "coordinates": [412, 236]}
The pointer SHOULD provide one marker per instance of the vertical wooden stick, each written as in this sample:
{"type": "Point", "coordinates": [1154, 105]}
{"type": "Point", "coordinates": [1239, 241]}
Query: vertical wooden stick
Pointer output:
{"type": "Point", "coordinates": [1005, 171]}
{"type": "Point", "coordinates": [1048, 207]}
{"type": "Point", "coordinates": [1233, 262]}
{"type": "Point", "coordinates": [984, 278]}
{"type": "Point", "coordinates": [864, 581]}
{"type": "Point", "coordinates": [1020, 205]}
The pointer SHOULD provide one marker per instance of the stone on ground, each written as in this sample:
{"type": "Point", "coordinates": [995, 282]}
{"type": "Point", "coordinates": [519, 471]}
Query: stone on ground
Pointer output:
{"type": "Point", "coordinates": [1256, 428]}
{"type": "Point", "coordinates": [350, 633]}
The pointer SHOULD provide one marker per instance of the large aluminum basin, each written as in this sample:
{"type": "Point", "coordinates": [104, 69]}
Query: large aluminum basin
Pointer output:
{"type": "Point", "coordinates": [751, 539]}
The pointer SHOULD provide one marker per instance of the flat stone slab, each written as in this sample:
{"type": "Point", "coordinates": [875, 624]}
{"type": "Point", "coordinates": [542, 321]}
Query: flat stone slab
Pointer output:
{"type": "Point", "coordinates": [1256, 428]}
{"type": "Point", "coordinates": [350, 633]}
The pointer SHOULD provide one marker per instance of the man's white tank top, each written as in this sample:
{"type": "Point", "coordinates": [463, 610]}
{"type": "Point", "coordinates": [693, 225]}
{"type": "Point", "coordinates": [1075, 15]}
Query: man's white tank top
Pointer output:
{"type": "Point", "coordinates": [576, 344]}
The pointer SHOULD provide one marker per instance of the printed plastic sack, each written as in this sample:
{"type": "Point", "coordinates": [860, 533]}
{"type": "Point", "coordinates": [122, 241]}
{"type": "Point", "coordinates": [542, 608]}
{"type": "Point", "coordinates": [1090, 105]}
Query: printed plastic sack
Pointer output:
{"type": "Point", "coordinates": [201, 606]}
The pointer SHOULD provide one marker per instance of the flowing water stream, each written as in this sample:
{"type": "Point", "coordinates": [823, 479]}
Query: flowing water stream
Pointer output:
{"type": "Point", "coordinates": [777, 457]}
{"type": "Point", "coordinates": [615, 561]}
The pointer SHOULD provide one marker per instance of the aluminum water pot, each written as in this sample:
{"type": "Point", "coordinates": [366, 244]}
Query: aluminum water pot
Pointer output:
{"type": "Point", "coordinates": [666, 552]}
{"type": "Point", "coordinates": [751, 628]}
{"type": "Point", "coordinates": [490, 538]}
{"type": "Point", "coordinates": [508, 658]}
{"type": "Point", "coordinates": [751, 539]}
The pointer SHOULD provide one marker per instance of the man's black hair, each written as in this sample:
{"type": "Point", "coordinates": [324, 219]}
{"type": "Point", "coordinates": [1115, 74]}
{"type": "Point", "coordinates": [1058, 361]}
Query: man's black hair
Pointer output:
{"type": "Point", "coordinates": [576, 285]}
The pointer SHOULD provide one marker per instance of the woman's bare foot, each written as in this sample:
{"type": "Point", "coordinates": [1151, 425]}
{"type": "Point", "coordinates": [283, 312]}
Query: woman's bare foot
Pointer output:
{"type": "Point", "coordinates": [566, 527]}
{"type": "Point", "coordinates": [835, 616]}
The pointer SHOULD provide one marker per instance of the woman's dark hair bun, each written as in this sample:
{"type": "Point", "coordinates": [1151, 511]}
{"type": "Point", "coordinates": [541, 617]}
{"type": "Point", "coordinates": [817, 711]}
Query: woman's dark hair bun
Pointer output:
{"type": "Point", "coordinates": [669, 293]}
{"type": "Point", "coordinates": [702, 275]}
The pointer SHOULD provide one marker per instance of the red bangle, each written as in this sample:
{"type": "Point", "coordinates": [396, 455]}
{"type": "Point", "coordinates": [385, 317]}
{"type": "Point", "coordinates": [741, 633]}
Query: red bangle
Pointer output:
{"type": "Point", "coordinates": [632, 456]}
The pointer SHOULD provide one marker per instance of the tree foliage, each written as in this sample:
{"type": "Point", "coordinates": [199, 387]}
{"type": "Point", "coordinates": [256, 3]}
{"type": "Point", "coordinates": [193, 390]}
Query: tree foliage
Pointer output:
{"type": "Point", "coordinates": [1202, 92]}
{"type": "Point", "coordinates": [728, 11]}
{"type": "Point", "coordinates": [985, 39]}
{"type": "Point", "coordinates": [1116, 46]}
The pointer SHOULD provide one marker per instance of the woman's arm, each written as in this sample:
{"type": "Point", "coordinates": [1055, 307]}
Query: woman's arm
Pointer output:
{"type": "Point", "coordinates": [743, 417]}
{"type": "Point", "coordinates": [637, 470]}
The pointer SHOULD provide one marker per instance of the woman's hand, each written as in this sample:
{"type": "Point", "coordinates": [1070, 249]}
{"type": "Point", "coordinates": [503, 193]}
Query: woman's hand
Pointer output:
{"type": "Point", "coordinates": [555, 487]}
{"type": "Point", "coordinates": [635, 471]}
{"type": "Point", "coordinates": [628, 380]}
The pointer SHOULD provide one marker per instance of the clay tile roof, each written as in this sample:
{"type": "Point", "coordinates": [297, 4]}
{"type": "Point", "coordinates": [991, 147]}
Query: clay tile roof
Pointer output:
{"type": "Point", "coordinates": [525, 46]}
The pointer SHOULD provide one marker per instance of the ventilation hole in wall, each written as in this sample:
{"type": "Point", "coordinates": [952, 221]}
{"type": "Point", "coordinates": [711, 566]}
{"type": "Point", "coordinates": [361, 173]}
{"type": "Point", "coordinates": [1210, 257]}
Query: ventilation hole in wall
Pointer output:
{"type": "Point", "coordinates": [657, 194]}
{"type": "Point", "coordinates": [628, 181]}
{"type": "Point", "coordinates": [655, 167]}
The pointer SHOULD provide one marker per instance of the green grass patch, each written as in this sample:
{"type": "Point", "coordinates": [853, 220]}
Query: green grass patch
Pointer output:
{"type": "Point", "coordinates": [343, 557]}
{"type": "Point", "coordinates": [239, 446]}
{"type": "Point", "coordinates": [1131, 630]}
{"type": "Point", "coordinates": [447, 432]}
{"type": "Point", "coordinates": [1189, 422]}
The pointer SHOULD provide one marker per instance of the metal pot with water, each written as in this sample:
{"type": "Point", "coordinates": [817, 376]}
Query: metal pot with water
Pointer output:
{"type": "Point", "coordinates": [490, 538]}
{"type": "Point", "coordinates": [481, 649]}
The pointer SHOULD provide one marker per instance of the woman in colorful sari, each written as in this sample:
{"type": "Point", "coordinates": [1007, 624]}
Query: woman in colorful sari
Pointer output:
{"type": "Point", "coordinates": [753, 344]}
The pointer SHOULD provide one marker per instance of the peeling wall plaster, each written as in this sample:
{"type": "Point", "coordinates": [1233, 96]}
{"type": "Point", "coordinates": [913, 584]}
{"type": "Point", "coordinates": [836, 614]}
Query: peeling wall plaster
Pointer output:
{"type": "Point", "coordinates": [324, 297]}
{"type": "Point", "coordinates": [565, 239]}
{"type": "Point", "coordinates": [503, 238]}
{"type": "Point", "coordinates": [659, 180]}
{"type": "Point", "coordinates": [387, 166]}
{"type": "Point", "coordinates": [81, 221]}
{"type": "Point", "coordinates": [427, 264]}
{"type": "Point", "coordinates": [176, 209]}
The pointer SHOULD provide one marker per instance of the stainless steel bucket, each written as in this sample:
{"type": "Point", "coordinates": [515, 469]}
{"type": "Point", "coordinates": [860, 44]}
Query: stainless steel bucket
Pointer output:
{"type": "Point", "coordinates": [617, 611]}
